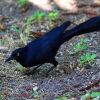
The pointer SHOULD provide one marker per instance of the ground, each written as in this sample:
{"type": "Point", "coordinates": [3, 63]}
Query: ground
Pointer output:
{"type": "Point", "coordinates": [16, 86]}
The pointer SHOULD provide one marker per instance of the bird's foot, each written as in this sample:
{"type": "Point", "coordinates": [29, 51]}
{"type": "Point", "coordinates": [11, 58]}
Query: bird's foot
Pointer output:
{"type": "Point", "coordinates": [28, 73]}
{"type": "Point", "coordinates": [57, 71]}
{"type": "Point", "coordinates": [46, 74]}
{"type": "Point", "coordinates": [31, 72]}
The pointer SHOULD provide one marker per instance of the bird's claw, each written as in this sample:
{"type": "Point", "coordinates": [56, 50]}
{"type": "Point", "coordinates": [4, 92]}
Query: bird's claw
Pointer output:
{"type": "Point", "coordinates": [28, 73]}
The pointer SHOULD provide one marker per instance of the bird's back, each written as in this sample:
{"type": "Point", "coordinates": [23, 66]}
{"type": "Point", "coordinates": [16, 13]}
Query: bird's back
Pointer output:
{"type": "Point", "coordinates": [44, 48]}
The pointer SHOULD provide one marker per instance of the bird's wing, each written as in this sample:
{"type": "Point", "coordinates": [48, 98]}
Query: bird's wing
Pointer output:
{"type": "Point", "coordinates": [51, 37]}
{"type": "Point", "coordinates": [43, 45]}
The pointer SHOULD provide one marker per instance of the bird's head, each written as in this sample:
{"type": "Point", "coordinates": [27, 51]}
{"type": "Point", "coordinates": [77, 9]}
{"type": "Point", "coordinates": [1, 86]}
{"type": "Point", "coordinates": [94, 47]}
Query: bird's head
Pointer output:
{"type": "Point", "coordinates": [15, 55]}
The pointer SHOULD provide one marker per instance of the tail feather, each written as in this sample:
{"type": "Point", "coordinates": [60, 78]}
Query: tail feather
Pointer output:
{"type": "Point", "coordinates": [89, 26]}
{"type": "Point", "coordinates": [64, 26]}
{"type": "Point", "coordinates": [58, 31]}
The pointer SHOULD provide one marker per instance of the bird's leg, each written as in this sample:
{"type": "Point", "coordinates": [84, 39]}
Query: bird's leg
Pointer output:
{"type": "Point", "coordinates": [36, 68]}
{"type": "Point", "coordinates": [33, 70]}
{"type": "Point", "coordinates": [55, 63]}
{"type": "Point", "coordinates": [49, 71]}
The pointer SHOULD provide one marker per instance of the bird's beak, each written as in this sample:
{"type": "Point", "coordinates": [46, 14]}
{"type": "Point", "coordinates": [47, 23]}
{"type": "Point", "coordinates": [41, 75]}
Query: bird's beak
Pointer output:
{"type": "Point", "coordinates": [10, 58]}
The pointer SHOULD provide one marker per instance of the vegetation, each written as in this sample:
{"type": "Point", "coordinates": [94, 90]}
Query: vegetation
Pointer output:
{"type": "Point", "coordinates": [36, 16]}
{"type": "Point", "coordinates": [22, 35]}
{"type": "Point", "coordinates": [87, 58]}
{"type": "Point", "coordinates": [2, 42]}
{"type": "Point", "coordinates": [20, 68]}
{"type": "Point", "coordinates": [1, 97]}
{"type": "Point", "coordinates": [53, 15]}
{"type": "Point", "coordinates": [87, 96]}
{"type": "Point", "coordinates": [64, 96]}
{"type": "Point", "coordinates": [80, 49]}
{"type": "Point", "coordinates": [81, 46]}
{"type": "Point", "coordinates": [91, 96]}
{"type": "Point", "coordinates": [22, 3]}
{"type": "Point", "coordinates": [40, 16]}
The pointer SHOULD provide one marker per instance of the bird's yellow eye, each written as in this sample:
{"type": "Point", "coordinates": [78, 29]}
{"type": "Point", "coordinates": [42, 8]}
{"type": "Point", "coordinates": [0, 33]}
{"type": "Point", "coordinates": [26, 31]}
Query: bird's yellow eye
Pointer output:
{"type": "Point", "coordinates": [17, 54]}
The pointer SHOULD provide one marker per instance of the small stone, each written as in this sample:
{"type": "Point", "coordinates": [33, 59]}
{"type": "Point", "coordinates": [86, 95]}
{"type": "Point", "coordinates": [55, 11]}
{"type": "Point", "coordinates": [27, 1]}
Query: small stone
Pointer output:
{"type": "Point", "coordinates": [98, 62]}
{"type": "Point", "coordinates": [35, 88]}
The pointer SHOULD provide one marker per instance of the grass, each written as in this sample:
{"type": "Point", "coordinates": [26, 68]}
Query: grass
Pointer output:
{"type": "Point", "coordinates": [22, 3]}
{"type": "Point", "coordinates": [83, 56]}
{"type": "Point", "coordinates": [91, 96]}
{"type": "Point", "coordinates": [87, 58]}
{"type": "Point", "coordinates": [22, 35]}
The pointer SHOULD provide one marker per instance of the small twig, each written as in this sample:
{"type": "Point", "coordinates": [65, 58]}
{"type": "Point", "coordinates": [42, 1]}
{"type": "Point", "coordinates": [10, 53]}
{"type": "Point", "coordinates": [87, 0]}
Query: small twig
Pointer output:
{"type": "Point", "coordinates": [76, 85]}
{"type": "Point", "coordinates": [82, 5]}
{"type": "Point", "coordinates": [89, 86]}
{"type": "Point", "coordinates": [90, 13]}
{"type": "Point", "coordinates": [95, 5]}
{"type": "Point", "coordinates": [74, 89]}
{"type": "Point", "coordinates": [69, 87]}
{"type": "Point", "coordinates": [69, 13]}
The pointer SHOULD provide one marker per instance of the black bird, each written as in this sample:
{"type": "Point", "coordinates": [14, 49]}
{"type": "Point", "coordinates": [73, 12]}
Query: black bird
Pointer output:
{"type": "Point", "coordinates": [44, 49]}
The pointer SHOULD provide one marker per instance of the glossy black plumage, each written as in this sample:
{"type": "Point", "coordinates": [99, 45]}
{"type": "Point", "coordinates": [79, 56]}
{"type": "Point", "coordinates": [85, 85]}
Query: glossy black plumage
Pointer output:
{"type": "Point", "coordinates": [91, 25]}
{"type": "Point", "coordinates": [44, 49]}
{"type": "Point", "coordinates": [41, 50]}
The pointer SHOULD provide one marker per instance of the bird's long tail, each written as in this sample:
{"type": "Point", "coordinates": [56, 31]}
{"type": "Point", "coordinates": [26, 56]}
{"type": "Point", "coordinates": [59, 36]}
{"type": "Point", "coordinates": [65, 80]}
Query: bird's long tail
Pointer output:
{"type": "Point", "coordinates": [91, 25]}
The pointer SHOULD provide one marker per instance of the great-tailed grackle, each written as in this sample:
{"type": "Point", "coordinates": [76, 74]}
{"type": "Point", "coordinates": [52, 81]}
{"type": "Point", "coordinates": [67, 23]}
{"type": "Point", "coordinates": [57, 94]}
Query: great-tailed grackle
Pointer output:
{"type": "Point", "coordinates": [41, 50]}
{"type": "Point", "coordinates": [44, 49]}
